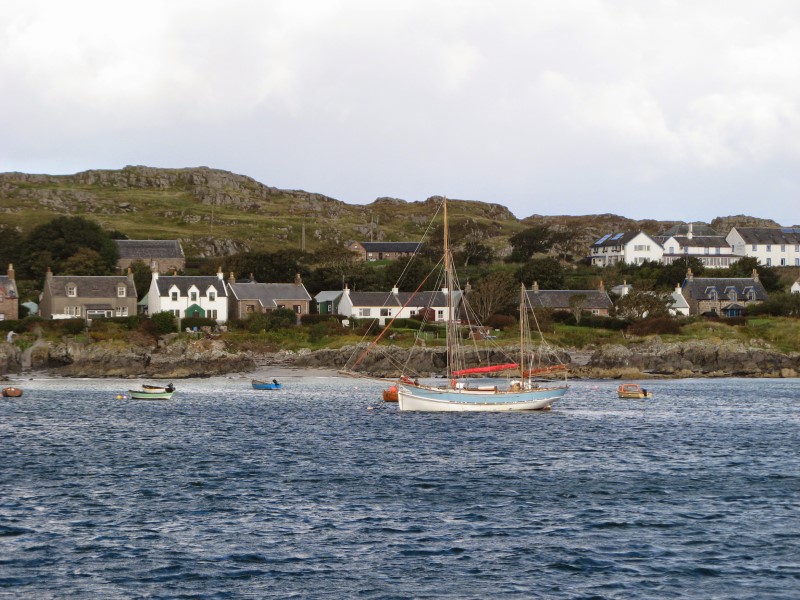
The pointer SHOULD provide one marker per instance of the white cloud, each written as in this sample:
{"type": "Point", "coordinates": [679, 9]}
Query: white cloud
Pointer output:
{"type": "Point", "coordinates": [357, 99]}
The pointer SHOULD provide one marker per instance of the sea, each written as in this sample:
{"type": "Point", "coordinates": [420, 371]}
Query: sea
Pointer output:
{"type": "Point", "coordinates": [321, 490]}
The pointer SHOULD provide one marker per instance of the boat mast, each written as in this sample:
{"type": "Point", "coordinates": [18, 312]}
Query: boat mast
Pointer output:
{"type": "Point", "coordinates": [522, 311]}
{"type": "Point", "coordinates": [448, 283]}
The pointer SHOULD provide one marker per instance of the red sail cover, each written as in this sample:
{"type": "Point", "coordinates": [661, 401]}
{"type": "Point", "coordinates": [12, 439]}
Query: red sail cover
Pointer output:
{"type": "Point", "coordinates": [491, 369]}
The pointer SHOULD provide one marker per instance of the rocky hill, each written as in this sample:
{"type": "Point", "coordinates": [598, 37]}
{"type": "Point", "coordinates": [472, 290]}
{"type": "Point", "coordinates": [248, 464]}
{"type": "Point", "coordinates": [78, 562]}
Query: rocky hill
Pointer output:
{"type": "Point", "coordinates": [218, 213]}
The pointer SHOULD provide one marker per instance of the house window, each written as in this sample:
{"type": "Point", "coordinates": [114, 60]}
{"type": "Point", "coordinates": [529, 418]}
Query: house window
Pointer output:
{"type": "Point", "coordinates": [211, 313]}
{"type": "Point", "coordinates": [72, 290]}
{"type": "Point", "coordinates": [769, 262]}
{"type": "Point", "coordinates": [249, 308]}
{"type": "Point", "coordinates": [212, 296]}
{"type": "Point", "coordinates": [732, 295]}
{"type": "Point", "coordinates": [769, 247]}
{"type": "Point", "coordinates": [364, 312]}
{"type": "Point", "coordinates": [719, 250]}
{"type": "Point", "coordinates": [783, 247]}
{"type": "Point", "coordinates": [783, 262]}
{"type": "Point", "coordinates": [440, 314]}
{"type": "Point", "coordinates": [754, 247]}
{"type": "Point", "coordinates": [174, 296]}
{"type": "Point", "coordinates": [414, 312]}
{"type": "Point", "coordinates": [712, 295]}
{"type": "Point", "coordinates": [386, 312]}
{"type": "Point", "coordinates": [176, 312]}
{"type": "Point", "coordinates": [298, 308]}
{"type": "Point", "coordinates": [121, 292]}
{"type": "Point", "coordinates": [797, 262]}
{"type": "Point", "coordinates": [707, 250]}
{"type": "Point", "coordinates": [797, 248]}
{"type": "Point", "coordinates": [121, 311]}
{"type": "Point", "coordinates": [193, 296]}
{"type": "Point", "coordinates": [751, 295]}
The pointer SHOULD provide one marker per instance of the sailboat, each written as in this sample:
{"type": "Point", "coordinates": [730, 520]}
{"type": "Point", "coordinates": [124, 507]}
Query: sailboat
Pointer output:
{"type": "Point", "coordinates": [527, 390]}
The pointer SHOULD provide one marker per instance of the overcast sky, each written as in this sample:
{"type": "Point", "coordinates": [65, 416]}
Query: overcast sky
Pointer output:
{"type": "Point", "coordinates": [683, 110]}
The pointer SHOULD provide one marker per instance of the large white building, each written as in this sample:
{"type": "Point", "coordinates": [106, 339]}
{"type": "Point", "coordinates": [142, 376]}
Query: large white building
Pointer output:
{"type": "Point", "coordinates": [710, 248]}
{"type": "Point", "coordinates": [771, 246]}
{"type": "Point", "coordinates": [632, 248]}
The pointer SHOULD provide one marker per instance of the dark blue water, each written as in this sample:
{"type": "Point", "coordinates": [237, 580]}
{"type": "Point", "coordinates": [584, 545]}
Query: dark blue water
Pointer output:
{"type": "Point", "coordinates": [307, 493]}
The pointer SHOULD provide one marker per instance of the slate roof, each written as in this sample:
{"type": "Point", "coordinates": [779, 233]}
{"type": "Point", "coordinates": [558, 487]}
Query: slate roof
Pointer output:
{"type": "Point", "coordinates": [559, 299]}
{"type": "Point", "coordinates": [702, 241]}
{"type": "Point", "coordinates": [615, 239]}
{"type": "Point", "coordinates": [327, 295]}
{"type": "Point", "coordinates": [392, 246]}
{"type": "Point", "coordinates": [91, 286]}
{"type": "Point", "coordinates": [699, 288]}
{"type": "Point", "coordinates": [770, 235]}
{"type": "Point", "coordinates": [184, 282]}
{"type": "Point", "coordinates": [268, 294]}
{"type": "Point", "coordinates": [682, 229]}
{"type": "Point", "coordinates": [147, 249]}
{"type": "Point", "coordinates": [8, 287]}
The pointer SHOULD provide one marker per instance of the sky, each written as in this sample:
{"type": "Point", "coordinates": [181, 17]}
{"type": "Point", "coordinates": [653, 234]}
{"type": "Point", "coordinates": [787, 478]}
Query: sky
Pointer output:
{"type": "Point", "coordinates": [664, 109]}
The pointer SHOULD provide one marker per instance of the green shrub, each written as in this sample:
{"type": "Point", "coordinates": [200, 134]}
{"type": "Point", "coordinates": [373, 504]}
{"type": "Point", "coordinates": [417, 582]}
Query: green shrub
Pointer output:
{"type": "Point", "coordinates": [655, 326]}
{"type": "Point", "coordinates": [165, 322]}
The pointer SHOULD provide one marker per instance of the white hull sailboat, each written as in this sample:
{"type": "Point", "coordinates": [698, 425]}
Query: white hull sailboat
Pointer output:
{"type": "Point", "coordinates": [472, 389]}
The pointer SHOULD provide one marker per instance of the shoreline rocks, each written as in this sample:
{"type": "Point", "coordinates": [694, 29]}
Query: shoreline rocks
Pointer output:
{"type": "Point", "coordinates": [176, 358]}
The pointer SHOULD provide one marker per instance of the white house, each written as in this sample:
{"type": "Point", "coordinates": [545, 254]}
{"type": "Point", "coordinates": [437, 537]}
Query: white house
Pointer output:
{"type": "Point", "coordinates": [189, 296]}
{"type": "Point", "coordinates": [795, 289]}
{"type": "Point", "coordinates": [395, 304]}
{"type": "Point", "coordinates": [710, 248]}
{"type": "Point", "coordinates": [679, 304]}
{"type": "Point", "coordinates": [771, 246]}
{"type": "Point", "coordinates": [632, 248]}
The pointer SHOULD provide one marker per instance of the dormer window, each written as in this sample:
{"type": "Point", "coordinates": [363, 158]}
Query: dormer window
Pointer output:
{"type": "Point", "coordinates": [212, 296]}
{"type": "Point", "coordinates": [121, 291]}
{"type": "Point", "coordinates": [712, 295]}
{"type": "Point", "coordinates": [72, 290]}
{"type": "Point", "coordinates": [193, 296]}
{"type": "Point", "coordinates": [732, 295]}
{"type": "Point", "coordinates": [174, 296]}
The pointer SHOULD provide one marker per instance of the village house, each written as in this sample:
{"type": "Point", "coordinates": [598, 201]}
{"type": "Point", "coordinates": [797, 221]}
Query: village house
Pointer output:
{"type": "Point", "coordinates": [328, 302]}
{"type": "Point", "coordinates": [597, 302]}
{"type": "Point", "coordinates": [698, 241]}
{"type": "Point", "coordinates": [89, 297]}
{"type": "Point", "coordinates": [722, 296]}
{"type": "Point", "coordinates": [163, 256]}
{"type": "Point", "coordinates": [189, 296]}
{"type": "Point", "coordinates": [250, 297]}
{"type": "Point", "coordinates": [632, 248]}
{"type": "Point", "coordinates": [396, 304]}
{"type": "Point", "coordinates": [371, 251]}
{"type": "Point", "coordinates": [795, 289]}
{"type": "Point", "coordinates": [9, 298]}
{"type": "Point", "coordinates": [771, 246]}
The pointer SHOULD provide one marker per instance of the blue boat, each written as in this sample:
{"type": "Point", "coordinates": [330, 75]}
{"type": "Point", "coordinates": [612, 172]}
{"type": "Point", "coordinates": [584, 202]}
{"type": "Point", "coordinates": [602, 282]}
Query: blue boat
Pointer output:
{"type": "Point", "coordinates": [266, 385]}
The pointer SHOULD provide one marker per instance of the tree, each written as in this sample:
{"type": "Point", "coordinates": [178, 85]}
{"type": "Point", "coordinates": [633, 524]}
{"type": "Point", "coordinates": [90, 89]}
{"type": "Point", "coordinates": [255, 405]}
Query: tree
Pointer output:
{"type": "Point", "coordinates": [668, 276]}
{"type": "Point", "coordinates": [142, 276]}
{"type": "Point", "coordinates": [643, 304]}
{"type": "Point", "coordinates": [496, 293]}
{"type": "Point", "coordinates": [531, 241]}
{"type": "Point", "coordinates": [85, 261]}
{"type": "Point", "coordinates": [547, 272]}
{"type": "Point", "coordinates": [62, 238]}
{"type": "Point", "coordinates": [744, 267]}
{"type": "Point", "coordinates": [577, 302]}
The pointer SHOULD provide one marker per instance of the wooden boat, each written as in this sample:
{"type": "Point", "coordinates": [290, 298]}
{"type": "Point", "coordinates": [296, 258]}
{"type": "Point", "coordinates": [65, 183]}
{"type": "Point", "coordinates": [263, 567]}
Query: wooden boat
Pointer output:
{"type": "Point", "coordinates": [12, 392]}
{"type": "Point", "coordinates": [633, 390]}
{"type": "Point", "coordinates": [266, 385]}
{"type": "Point", "coordinates": [390, 395]}
{"type": "Point", "coordinates": [153, 392]}
{"type": "Point", "coordinates": [522, 393]}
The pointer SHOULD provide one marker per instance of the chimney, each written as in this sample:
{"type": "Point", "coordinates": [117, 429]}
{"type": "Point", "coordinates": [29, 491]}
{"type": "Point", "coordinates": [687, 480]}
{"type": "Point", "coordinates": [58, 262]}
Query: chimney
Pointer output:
{"type": "Point", "coordinates": [346, 290]}
{"type": "Point", "coordinates": [755, 275]}
{"type": "Point", "coordinates": [49, 274]}
{"type": "Point", "coordinates": [467, 288]}
{"type": "Point", "coordinates": [297, 279]}
{"type": "Point", "coordinates": [231, 278]}
{"type": "Point", "coordinates": [11, 272]}
{"type": "Point", "coordinates": [689, 275]}
{"type": "Point", "coordinates": [678, 287]}
{"type": "Point", "coordinates": [252, 278]}
{"type": "Point", "coordinates": [690, 233]}
{"type": "Point", "coordinates": [602, 287]}
{"type": "Point", "coordinates": [220, 274]}
{"type": "Point", "coordinates": [535, 287]}
{"type": "Point", "coordinates": [395, 291]}
{"type": "Point", "coordinates": [130, 274]}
